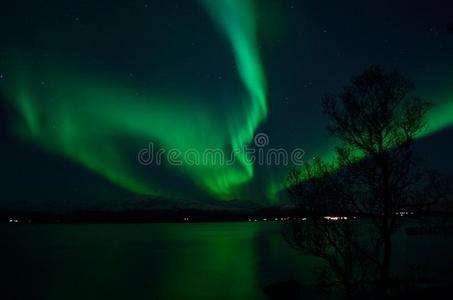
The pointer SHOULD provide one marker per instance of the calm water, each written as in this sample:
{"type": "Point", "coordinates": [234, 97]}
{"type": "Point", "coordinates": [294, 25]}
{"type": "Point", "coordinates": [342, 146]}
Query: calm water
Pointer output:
{"type": "Point", "coordinates": [167, 261]}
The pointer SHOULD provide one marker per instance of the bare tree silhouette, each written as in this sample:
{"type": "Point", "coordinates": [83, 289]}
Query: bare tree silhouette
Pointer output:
{"type": "Point", "coordinates": [376, 172]}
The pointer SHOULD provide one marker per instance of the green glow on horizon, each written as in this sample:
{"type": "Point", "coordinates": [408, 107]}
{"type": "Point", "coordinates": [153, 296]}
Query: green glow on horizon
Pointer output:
{"type": "Point", "coordinates": [440, 117]}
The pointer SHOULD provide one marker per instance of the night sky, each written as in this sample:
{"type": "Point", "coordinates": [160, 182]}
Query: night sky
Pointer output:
{"type": "Point", "coordinates": [85, 85]}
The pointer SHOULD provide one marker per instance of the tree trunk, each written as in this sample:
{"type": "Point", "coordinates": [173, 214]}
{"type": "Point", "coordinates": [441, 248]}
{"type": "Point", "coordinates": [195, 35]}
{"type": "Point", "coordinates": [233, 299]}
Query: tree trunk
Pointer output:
{"type": "Point", "coordinates": [385, 267]}
{"type": "Point", "coordinates": [386, 230]}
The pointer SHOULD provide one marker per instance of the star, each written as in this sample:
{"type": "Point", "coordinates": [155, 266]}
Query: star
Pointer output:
{"type": "Point", "coordinates": [308, 84]}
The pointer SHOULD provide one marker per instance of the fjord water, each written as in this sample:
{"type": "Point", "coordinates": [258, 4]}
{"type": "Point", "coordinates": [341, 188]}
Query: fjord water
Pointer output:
{"type": "Point", "coordinates": [147, 261]}
{"type": "Point", "coordinates": [165, 261]}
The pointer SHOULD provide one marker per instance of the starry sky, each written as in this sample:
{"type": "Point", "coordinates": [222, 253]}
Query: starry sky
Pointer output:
{"type": "Point", "coordinates": [84, 85]}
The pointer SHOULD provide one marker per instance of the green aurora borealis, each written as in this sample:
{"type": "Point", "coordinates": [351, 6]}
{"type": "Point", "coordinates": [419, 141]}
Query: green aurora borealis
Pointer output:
{"type": "Point", "coordinates": [74, 110]}
{"type": "Point", "coordinates": [83, 132]}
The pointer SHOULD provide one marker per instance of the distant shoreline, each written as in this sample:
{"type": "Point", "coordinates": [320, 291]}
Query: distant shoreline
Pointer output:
{"type": "Point", "coordinates": [181, 216]}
